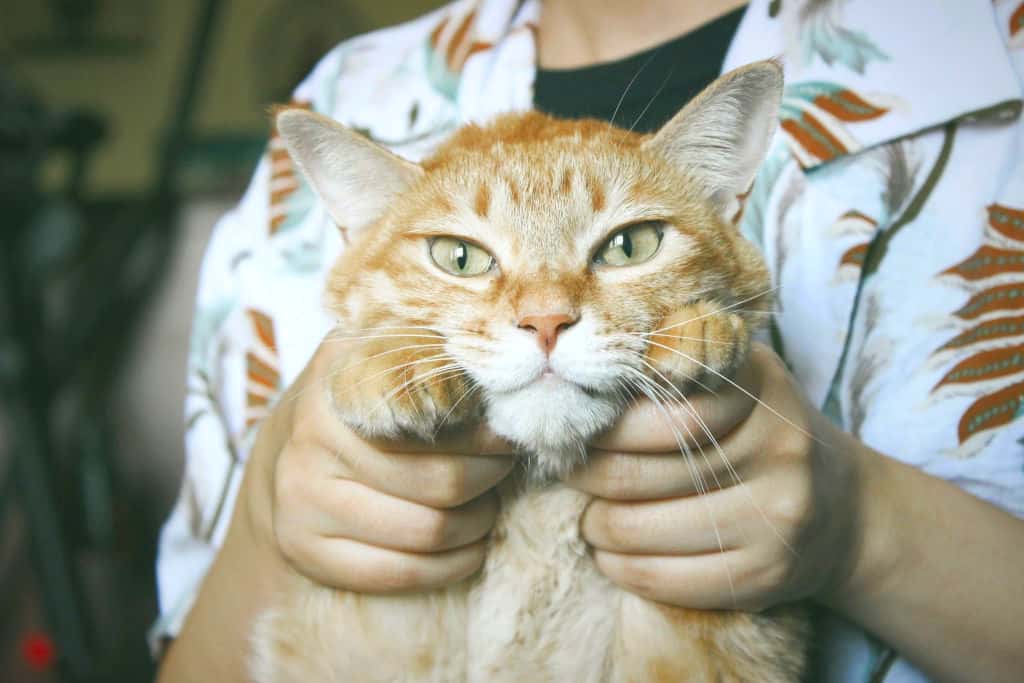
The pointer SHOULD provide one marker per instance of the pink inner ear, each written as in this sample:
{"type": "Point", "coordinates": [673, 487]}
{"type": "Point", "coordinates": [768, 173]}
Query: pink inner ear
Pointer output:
{"type": "Point", "coordinates": [338, 162]}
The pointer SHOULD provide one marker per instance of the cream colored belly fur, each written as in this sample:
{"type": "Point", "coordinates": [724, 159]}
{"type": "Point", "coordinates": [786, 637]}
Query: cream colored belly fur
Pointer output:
{"type": "Point", "coordinates": [538, 612]}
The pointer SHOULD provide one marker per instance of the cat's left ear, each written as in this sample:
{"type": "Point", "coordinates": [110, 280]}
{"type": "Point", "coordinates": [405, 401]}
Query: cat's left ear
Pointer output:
{"type": "Point", "coordinates": [721, 137]}
{"type": "Point", "coordinates": [356, 178]}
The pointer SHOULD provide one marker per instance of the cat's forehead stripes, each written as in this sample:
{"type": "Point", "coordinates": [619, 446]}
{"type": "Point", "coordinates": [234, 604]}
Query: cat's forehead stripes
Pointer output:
{"type": "Point", "coordinates": [482, 203]}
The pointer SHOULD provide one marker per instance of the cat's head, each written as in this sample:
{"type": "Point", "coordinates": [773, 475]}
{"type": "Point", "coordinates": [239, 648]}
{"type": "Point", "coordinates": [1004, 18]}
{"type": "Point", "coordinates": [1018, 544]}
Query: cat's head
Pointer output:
{"type": "Point", "coordinates": [543, 251]}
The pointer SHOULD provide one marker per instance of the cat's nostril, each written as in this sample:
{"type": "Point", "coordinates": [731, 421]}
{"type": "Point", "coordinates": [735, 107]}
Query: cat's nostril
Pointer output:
{"type": "Point", "coordinates": [547, 328]}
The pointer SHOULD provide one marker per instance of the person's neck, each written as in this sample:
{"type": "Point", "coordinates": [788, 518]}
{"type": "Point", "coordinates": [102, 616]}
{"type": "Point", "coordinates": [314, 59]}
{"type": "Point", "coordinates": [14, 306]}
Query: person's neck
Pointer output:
{"type": "Point", "coordinates": [575, 33]}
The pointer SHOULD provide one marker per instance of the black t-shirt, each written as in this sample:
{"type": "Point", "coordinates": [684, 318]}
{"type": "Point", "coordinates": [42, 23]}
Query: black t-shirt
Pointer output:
{"type": "Point", "coordinates": [664, 78]}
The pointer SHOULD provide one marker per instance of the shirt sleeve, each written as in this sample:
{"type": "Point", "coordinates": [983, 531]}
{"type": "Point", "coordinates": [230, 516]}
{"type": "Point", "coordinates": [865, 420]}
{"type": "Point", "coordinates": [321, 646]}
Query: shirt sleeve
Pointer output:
{"type": "Point", "coordinates": [215, 448]}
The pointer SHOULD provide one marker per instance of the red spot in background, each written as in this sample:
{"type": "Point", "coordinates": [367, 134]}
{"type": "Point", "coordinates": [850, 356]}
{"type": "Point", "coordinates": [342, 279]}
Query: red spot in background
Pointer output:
{"type": "Point", "coordinates": [38, 651]}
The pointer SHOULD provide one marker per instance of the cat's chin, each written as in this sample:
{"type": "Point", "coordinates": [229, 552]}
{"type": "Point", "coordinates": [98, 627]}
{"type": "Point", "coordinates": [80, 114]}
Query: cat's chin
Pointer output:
{"type": "Point", "coordinates": [552, 420]}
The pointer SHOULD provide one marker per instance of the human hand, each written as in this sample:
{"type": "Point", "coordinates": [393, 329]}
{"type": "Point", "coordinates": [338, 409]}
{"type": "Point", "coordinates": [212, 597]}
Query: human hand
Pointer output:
{"type": "Point", "coordinates": [770, 515]}
{"type": "Point", "coordinates": [363, 516]}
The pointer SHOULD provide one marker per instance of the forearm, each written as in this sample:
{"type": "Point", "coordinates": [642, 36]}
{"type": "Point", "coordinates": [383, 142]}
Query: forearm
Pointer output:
{"type": "Point", "coordinates": [213, 643]}
{"type": "Point", "coordinates": [938, 574]}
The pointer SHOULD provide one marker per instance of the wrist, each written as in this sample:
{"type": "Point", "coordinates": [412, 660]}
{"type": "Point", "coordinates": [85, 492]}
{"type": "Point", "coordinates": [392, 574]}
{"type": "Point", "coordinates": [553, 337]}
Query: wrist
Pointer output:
{"type": "Point", "coordinates": [875, 548]}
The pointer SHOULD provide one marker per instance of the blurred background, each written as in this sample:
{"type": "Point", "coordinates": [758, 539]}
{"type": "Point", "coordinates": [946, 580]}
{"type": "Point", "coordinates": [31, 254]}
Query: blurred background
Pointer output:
{"type": "Point", "coordinates": [127, 127]}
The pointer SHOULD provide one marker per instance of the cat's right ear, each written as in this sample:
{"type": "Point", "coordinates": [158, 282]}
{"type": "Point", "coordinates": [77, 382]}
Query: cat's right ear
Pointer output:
{"type": "Point", "coordinates": [722, 135]}
{"type": "Point", "coordinates": [355, 178]}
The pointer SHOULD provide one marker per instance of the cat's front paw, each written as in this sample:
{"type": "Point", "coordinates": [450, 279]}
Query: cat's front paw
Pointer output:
{"type": "Point", "coordinates": [701, 343]}
{"type": "Point", "coordinates": [401, 384]}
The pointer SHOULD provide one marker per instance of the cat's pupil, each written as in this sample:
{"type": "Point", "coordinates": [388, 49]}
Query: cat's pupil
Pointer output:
{"type": "Point", "coordinates": [461, 256]}
{"type": "Point", "coordinates": [625, 243]}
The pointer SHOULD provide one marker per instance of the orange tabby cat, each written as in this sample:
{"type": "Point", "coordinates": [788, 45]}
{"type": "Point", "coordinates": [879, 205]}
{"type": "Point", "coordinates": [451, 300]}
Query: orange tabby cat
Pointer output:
{"type": "Point", "coordinates": [535, 273]}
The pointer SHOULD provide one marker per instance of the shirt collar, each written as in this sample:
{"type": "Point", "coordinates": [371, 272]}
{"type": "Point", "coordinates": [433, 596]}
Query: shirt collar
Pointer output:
{"type": "Point", "coordinates": [862, 72]}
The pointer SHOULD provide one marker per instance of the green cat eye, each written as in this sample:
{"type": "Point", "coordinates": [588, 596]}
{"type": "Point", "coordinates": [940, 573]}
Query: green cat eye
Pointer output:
{"type": "Point", "coordinates": [632, 245]}
{"type": "Point", "coordinates": [459, 257]}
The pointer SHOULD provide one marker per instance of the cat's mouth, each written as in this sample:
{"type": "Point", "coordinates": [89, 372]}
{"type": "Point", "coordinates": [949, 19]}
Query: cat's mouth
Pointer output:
{"type": "Point", "coordinates": [552, 380]}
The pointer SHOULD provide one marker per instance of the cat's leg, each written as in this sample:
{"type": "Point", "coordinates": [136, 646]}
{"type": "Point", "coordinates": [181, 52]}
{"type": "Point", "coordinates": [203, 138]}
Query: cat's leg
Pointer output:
{"type": "Point", "coordinates": [661, 643]}
{"type": "Point", "coordinates": [400, 383]}
{"type": "Point", "coordinates": [320, 635]}
{"type": "Point", "coordinates": [699, 343]}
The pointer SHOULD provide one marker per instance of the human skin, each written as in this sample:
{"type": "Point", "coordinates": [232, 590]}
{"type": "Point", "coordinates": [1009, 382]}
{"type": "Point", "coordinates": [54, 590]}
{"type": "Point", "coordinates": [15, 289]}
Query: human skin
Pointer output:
{"type": "Point", "coordinates": [931, 570]}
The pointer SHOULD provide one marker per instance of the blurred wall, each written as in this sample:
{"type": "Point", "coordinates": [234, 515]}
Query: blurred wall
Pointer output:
{"type": "Point", "coordinates": [259, 45]}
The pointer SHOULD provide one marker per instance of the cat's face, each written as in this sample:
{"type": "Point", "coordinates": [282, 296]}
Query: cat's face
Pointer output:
{"type": "Point", "coordinates": [544, 253]}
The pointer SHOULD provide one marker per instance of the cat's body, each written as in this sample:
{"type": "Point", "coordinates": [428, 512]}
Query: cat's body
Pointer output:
{"type": "Point", "coordinates": [536, 274]}
{"type": "Point", "coordinates": [538, 612]}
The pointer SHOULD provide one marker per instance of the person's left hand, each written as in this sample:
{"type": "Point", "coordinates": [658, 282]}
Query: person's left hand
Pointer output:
{"type": "Point", "coordinates": [770, 515]}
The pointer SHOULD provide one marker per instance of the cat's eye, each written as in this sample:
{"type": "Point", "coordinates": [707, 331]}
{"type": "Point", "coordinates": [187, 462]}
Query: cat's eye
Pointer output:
{"type": "Point", "coordinates": [631, 245]}
{"type": "Point", "coordinates": [459, 257]}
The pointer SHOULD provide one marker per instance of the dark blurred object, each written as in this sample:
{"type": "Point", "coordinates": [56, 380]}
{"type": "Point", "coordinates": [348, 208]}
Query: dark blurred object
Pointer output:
{"type": "Point", "coordinates": [75, 278]}
{"type": "Point", "coordinates": [302, 32]}
{"type": "Point", "coordinates": [81, 27]}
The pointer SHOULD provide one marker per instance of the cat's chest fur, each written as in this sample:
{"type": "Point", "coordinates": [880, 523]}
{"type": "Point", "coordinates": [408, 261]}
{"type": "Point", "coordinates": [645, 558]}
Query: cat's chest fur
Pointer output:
{"type": "Point", "coordinates": [539, 593]}
{"type": "Point", "coordinates": [538, 612]}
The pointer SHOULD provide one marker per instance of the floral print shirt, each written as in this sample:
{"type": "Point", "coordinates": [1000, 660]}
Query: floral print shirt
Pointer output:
{"type": "Point", "coordinates": [890, 209]}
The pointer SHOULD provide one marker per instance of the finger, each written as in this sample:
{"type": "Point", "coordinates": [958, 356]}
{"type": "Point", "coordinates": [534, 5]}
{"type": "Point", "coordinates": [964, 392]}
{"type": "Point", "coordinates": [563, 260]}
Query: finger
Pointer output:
{"type": "Point", "coordinates": [440, 480]}
{"type": "Point", "coordinates": [474, 440]}
{"type": "Point", "coordinates": [350, 565]}
{"type": "Point", "coordinates": [349, 509]}
{"type": "Point", "coordinates": [646, 476]}
{"type": "Point", "coordinates": [712, 581]}
{"type": "Point", "coordinates": [317, 423]}
{"type": "Point", "coordinates": [681, 526]}
{"type": "Point", "coordinates": [648, 427]}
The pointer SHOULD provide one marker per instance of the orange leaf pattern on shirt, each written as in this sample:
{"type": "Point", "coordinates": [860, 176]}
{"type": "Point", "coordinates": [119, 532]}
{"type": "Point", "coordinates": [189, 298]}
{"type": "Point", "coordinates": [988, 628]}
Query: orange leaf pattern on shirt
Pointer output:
{"type": "Point", "coordinates": [987, 262]}
{"type": "Point", "coordinates": [998, 328]}
{"type": "Point", "coordinates": [994, 410]}
{"type": "Point", "coordinates": [452, 42]}
{"type": "Point", "coordinates": [1017, 26]}
{"type": "Point", "coordinates": [813, 116]}
{"type": "Point", "coordinates": [284, 177]}
{"type": "Point", "coordinates": [263, 376]}
{"type": "Point", "coordinates": [996, 332]}
{"type": "Point", "coordinates": [1008, 222]}
{"type": "Point", "coordinates": [985, 366]}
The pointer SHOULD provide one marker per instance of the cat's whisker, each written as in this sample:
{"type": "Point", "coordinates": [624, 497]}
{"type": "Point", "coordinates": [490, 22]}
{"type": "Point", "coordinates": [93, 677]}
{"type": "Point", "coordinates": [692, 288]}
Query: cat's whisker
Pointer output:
{"type": "Point", "coordinates": [408, 384]}
{"type": "Point", "coordinates": [622, 98]}
{"type": "Point", "coordinates": [428, 328]}
{"type": "Point", "coordinates": [669, 388]}
{"type": "Point", "coordinates": [724, 309]}
{"type": "Point", "coordinates": [472, 388]}
{"type": "Point", "coordinates": [690, 410]}
{"type": "Point", "coordinates": [644, 335]}
{"type": "Point", "coordinates": [371, 337]}
{"type": "Point", "coordinates": [664, 82]}
{"type": "Point", "coordinates": [650, 389]}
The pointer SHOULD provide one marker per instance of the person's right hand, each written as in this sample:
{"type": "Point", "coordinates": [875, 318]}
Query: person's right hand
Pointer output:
{"type": "Point", "coordinates": [367, 516]}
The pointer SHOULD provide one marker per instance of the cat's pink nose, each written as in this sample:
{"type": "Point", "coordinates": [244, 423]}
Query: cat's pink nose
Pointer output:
{"type": "Point", "coordinates": [547, 328]}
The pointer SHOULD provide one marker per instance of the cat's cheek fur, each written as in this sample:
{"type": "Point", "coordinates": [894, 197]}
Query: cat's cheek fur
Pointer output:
{"type": "Point", "coordinates": [554, 420]}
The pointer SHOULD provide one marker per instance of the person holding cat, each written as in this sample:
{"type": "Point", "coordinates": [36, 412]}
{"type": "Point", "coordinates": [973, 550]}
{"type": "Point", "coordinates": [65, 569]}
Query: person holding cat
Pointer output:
{"type": "Point", "coordinates": [878, 444]}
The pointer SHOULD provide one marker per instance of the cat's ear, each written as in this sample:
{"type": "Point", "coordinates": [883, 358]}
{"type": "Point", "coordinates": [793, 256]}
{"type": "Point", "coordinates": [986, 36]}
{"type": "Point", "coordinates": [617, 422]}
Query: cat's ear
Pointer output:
{"type": "Point", "coordinates": [355, 178]}
{"type": "Point", "coordinates": [723, 134]}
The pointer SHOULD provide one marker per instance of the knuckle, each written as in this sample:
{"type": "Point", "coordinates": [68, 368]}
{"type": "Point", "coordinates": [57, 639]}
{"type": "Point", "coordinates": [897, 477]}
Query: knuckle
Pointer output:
{"type": "Point", "coordinates": [390, 575]}
{"type": "Point", "coordinates": [289, 483]}
{"type": "Point", "coordinates": [793, 508]}
{"type": "Point", "coordinates": [634, 574]}
{"type": "Point", "coordinates": [771, 579]}
{"type": "Point", "coordinates": [612, 476]}
{"type": "Point", "coordinates": [434, 531]}
{"type": "Point", "coordinates": [289, 542]}
{"type": "Point", "coordinates": [793, 445]}
{"type": "Point", "coordinates": [447, 483]}
{"type": "Point", "coordinates": [620, 526]}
